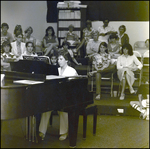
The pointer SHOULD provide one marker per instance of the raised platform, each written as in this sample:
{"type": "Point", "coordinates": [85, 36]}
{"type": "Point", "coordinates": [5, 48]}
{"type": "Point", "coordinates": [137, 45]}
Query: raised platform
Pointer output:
{"type": "Point", "coordinates": [108, 105]}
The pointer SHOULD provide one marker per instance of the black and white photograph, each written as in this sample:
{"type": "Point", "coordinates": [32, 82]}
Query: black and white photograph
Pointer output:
{"type": "Point", "coordinates": [75, 74]}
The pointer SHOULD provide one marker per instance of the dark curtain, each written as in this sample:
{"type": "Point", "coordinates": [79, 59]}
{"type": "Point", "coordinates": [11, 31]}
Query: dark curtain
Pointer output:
{"type": "Point", "coordinates": [52, 13]}
{"type": "Point", "coordinates": [112, 10]}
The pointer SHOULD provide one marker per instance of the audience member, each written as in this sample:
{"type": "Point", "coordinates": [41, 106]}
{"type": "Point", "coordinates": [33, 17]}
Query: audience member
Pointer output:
{"type": "Point", "coordinates": [127, 63]}
{"type": "Point", "coordinates": [53, 59]}
{"type": "Point", "coordinates": [72, 38]}
{"type": "Point", "coordinates": [123, 37]}
{"type": "Point", "coordinates": [18, 47]}
{"type": "Point", "coordinates": [93, 45]}
{"type": "Point", "coordinates": [72, 61]}
{"type": "Point", "coordinates": [30, 50]}
{"type": "Point", "coordinates": [64, 70]}
{"type": "Point", "coordinates": [50, 41]}
{"type": "Point", "coordinates": [102, 66]}
{"type": "Point", "coordinates": [5, 35]}
{"type": "Point", "coordinates": [18, 30]}
{"type": "Point", "coordinates": [105, 31]}
{"type": "Point", "coordinates": [114, 47]}
{"type": "Point", "coordinates": [142, 106]}
{"type": "Point", "coordinates": [28, 35]}
{"type": "Point", "coordinates": [7, 56]}
{"type": "Point", "coordinates": [85, 37]}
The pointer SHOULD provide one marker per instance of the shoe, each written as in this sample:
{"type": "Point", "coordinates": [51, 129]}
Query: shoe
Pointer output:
{"type": "Point", "coordinates": [63, 137]}
{"type": "Point", "coordinates": [132, 91]}
{"type": "Point", "coordinates": [98, 97]}
{"type": "Point", "coordinates": [122, 97]}
{"type": "Point", "coordinates": [41, 135]}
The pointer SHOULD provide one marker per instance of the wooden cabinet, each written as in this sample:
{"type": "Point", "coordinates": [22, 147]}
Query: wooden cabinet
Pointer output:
{"type": "Point", "coordinates": [67, 16]}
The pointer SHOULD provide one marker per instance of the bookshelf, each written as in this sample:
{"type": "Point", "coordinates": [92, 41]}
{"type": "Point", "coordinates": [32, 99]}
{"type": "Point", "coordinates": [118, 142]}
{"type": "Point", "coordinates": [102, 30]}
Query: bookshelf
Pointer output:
{"type": "Point", "coordinates": [67, 16]}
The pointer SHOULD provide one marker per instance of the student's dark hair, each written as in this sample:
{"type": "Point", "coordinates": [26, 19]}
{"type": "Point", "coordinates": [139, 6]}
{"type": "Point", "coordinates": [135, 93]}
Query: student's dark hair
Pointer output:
{"type": "Point", "coordinates": [65, 43]}
{"type": "Point", "coordinates": [26, 30]}
{"type": "Point", "coordinates": [106, 19]}
{"type": "Point", "coordinates": [113, 35]}
{"type": "Point", "coordinates": [17, 27]}
{"type": "Point", "coordinates": [89, 22]}
{"type": "Point", "coordinates": [123, 26]}
{"type": "Point", "coordinates": [129, 47]}
{"type": "Point", "coordinates": [103, 44]}
{"type": "Point", "coordinates": [4, 24]}
{"type": "Point", "coordinates": [4, 44]}
{"type": "Point", "coordinates": [28, 43]}
{"type": "Point", "coordinates": [55, 53]}
{"type": "Point", "coordinates": [48, 28]}
{"type": "Point", "coordinates": [64, 53]}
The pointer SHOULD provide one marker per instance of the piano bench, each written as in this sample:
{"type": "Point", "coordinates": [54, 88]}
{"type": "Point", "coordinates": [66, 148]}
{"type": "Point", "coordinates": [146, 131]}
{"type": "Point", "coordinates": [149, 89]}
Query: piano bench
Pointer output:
{"type": "Point", "coordinates": [90, 109]}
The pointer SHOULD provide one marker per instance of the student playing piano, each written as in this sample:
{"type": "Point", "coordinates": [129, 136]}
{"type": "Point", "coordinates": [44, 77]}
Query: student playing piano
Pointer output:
{"type": "Point", "coordinates": [64, 70]}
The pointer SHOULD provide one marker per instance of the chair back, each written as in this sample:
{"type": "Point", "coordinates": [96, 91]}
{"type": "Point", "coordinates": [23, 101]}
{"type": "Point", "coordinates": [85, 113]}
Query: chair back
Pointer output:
{"type": "Point", "coordinates": [140, 47]}
{"type": "Point", "coordinates": [146, 58]}
{"type": "Point", "coordinates": [138, 55]}
{"type": "Point", "coordinates": [139, 44]}
{"type": "Point", "coordinates": [138, 74]}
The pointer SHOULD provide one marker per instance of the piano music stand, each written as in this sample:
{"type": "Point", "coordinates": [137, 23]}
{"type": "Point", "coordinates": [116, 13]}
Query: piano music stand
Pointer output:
{"type": "Point", "coordinates": [36, 67]}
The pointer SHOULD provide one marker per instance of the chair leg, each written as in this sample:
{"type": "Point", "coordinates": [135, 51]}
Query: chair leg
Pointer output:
{"type": "Point", "coordinates": [84, 125]}
{"type": "Point", "coordinates": [94, 121]}
{"type": "Point", "coordinates": [111, 86]}
{"type": "Point", "coordinates": [51, 119]}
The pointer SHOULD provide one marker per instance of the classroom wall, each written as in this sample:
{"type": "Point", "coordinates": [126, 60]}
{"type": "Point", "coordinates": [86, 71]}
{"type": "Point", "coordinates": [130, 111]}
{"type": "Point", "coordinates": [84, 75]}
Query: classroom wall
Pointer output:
{"type": "Point", "coordinates": [33, 13]}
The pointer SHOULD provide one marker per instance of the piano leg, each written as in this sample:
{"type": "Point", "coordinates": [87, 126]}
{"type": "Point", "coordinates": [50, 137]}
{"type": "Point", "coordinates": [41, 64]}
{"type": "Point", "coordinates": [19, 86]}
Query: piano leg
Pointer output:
{"type": "Point", "coordinates": [73, 118]}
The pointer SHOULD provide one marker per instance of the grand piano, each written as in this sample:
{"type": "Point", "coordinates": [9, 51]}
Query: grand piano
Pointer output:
{"type": "Point", "coordinates": [44, 92]}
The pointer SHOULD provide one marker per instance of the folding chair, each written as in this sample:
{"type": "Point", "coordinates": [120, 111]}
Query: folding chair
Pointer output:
{"type": "Point", "coordinates": [105, 81]}
{"type": "Point", "coordinates": [140, 47]}
{"type": "Point", "coordinates": [146, 66]}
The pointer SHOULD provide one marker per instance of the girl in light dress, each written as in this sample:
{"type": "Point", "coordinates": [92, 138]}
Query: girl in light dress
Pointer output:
{"type": "Point", "coordinates": [127, 63]}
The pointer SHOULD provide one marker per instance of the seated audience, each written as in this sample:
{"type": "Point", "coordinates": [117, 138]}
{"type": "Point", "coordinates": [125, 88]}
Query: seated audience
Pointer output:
{"type": "Point", "coordinates": [63, 70]}
{"type": "Point", "coordinates": [30, 50]}
{"type": "Point", "coordinates": [85, 38]}
{"type": "Point", "coordinates": [101, 66]}
{"type": "Point", "coordinates": [72, 60]}
{"type": "Point", "coordinates": [127, 63]}
{"type": "Point", "coordinates": [93, 45]}
{"type": "Point", "coordinates": [7, 56]}
{"type": "Point", "coordinates": [18, 30]}
{"type": "Point", "coordinates": [114, 47]}
{"type": "Point", "coordinates": [28, 35]}
{"type": "Point", "coordinates": [105, 31]}
{"type": "Point", "coordinates": [72, 38]}
{"type": "Point", "coordinates": [50, 41]}
{"type": "Point", "coordinates": [123, 37]}
{"type": "Point", "coordinates": [5, 35]}
{"type": "Point", "coordinates": [18, 47]}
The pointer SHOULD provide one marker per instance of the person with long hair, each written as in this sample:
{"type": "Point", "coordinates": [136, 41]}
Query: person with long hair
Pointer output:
{"type": "Point", "coordinates": [28, 35]}
{"type": "Point", "coordinates": [101, 66]}
{"type": "Point", "coordinates": [50, 41]}
{"type": "Point", "coordinates": [127, 63]}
